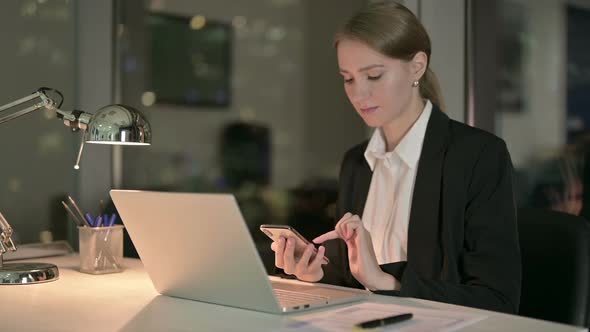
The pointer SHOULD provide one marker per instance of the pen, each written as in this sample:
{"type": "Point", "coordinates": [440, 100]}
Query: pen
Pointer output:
{"type": "Point", "coordinates": [74, 217]}
{"type": "Point", "coordinates": [89, 220]}
{"type": "Point", "coordinates": [101, 207]}
{"type": "Point", "coordinates": [98, 221]}
{"type": "Point", "coordinates": [384, 321]}
{"type": "Point", "coordinates": [112, 220]}
{"type": "Point", "coordinates": [77, 208]}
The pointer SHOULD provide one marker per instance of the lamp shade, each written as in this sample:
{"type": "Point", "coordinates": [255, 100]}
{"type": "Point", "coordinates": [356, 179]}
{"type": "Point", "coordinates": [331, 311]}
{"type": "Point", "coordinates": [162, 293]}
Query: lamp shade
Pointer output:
{"type": "Point", "coordinates": [119, 125]}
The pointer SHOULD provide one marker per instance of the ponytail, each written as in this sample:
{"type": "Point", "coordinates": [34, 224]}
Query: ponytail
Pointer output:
{"type": "Point", "coordinates": [430, 89]}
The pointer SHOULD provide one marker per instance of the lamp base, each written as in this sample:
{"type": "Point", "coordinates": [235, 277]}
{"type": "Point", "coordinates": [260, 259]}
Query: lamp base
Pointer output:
{"type": "Point", "coordinates": [27, 273]}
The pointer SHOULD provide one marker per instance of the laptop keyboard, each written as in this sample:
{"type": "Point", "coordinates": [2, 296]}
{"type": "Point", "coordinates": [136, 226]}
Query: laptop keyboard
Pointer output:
{"type": "Point", "coordinates": [290, 299]}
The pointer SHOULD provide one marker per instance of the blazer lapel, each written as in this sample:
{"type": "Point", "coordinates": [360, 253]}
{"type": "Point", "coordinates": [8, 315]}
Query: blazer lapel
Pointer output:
{"type": "Point", "coordinates": [424, 246]}
{"type": "Point", "coordinates": [362, 181]}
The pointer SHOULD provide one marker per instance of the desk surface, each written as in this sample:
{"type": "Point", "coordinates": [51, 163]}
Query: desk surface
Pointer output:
{"type": "Point", "coordinates": [127, 301]}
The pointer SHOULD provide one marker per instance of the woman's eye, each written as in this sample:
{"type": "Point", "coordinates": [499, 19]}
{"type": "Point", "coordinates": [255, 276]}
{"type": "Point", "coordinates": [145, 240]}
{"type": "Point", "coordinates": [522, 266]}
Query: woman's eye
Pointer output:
{"type": "Point", "coordinates": [348, 81]}
{"type": "Point", "coordinates": [374, 78]}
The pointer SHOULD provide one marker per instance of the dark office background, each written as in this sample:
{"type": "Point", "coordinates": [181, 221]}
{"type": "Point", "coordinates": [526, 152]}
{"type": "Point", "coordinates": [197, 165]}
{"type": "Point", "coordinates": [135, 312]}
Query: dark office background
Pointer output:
{"type": "Point", "coordinates": [277, 136]}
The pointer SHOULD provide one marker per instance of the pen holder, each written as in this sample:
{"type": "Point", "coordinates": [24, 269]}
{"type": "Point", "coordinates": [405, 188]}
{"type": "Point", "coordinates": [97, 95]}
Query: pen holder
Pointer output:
{"type": "Point", "coordinates": [101, 249]}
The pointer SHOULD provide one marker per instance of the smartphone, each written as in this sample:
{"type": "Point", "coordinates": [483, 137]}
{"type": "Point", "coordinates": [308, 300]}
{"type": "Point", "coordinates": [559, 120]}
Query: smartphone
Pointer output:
{"type": "Point", "coordinates": [276, 231]}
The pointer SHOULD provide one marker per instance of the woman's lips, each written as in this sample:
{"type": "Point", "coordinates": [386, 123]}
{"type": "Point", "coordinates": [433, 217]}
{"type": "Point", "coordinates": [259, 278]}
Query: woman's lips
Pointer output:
{"type": "Point", "coordinates": [368, 110]}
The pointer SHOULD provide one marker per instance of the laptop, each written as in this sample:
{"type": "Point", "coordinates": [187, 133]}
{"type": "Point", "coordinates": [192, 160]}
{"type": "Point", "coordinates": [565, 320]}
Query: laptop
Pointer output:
{"type": "Point", "coordinates": [198, 247]}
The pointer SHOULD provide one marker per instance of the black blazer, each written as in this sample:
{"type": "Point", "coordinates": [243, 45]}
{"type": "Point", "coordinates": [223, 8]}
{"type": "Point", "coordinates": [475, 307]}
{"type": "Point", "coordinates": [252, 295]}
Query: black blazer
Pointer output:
{"type": "Point", "coordinates": [462, 234]}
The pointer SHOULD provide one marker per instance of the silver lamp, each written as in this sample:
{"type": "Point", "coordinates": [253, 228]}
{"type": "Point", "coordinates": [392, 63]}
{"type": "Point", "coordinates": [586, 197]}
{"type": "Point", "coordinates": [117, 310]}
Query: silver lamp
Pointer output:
{"type": "Point", "coordinates": [113, 124]}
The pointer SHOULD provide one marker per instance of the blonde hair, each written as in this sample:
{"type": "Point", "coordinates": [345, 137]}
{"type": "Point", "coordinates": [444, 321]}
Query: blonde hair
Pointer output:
{"type": "Point", "coordinates": [393, 30]}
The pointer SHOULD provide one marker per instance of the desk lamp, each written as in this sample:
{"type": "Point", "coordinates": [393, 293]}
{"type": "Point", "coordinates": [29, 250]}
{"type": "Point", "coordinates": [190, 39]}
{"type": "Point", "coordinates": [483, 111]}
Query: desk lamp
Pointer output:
{"type": "Point", "coordinates": [113, 124]}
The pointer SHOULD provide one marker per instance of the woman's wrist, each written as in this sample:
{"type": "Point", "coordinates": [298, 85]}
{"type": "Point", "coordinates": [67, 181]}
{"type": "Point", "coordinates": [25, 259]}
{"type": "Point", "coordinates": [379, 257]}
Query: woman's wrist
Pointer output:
{"type": "Point", "coordinates": [384, 281]}
{"type": "Point", "coordinates": [311, 278]}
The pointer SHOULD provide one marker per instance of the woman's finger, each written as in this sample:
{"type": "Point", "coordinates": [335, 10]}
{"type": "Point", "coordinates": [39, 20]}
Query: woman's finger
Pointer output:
{"type": "Point", "coordinates": [318, 260]}
{"type": "Point", "coordinates": [302, 265]}
{"type": "Point", "coordinates": [289, 256]}
{"type": "Point", "coordinates": [348, 227]}
{"type": "Point", "coordinates": [331, 235]}
{"type": "Point", "coordinates": [341, 230]}
{"type": "Point", "coordinates": [279, 252]}
{"type": "Point", "coordinates": [344, 218]}
{"type": "Point", "coordinates": [338, 231]}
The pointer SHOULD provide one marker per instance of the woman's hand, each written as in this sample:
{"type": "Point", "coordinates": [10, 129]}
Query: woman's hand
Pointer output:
{"type": "Point", "coordinates": [304, 268]}
{"type": "Point", "coordinates": [361, 256]}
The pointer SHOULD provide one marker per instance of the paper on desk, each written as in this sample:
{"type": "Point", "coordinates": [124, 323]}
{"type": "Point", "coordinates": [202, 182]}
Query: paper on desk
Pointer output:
{"type": "Point", "coordinates": [39, 250]}
{"type": "Point", "coordinates": [344, 319]}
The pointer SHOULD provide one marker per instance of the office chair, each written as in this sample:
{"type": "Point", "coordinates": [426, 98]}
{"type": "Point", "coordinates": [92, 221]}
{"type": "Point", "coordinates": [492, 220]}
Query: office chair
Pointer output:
{"type": "Point", "coordinates": [555, 249]}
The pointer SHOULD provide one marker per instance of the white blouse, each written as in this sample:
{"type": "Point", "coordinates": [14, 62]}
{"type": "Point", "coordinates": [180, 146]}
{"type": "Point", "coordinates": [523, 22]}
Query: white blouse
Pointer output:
{"type": "Point", "coordinates": [387, 209]}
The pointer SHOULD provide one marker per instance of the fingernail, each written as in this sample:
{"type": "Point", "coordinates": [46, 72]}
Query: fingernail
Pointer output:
{"type": "Point", "coordinates": [290, 242]}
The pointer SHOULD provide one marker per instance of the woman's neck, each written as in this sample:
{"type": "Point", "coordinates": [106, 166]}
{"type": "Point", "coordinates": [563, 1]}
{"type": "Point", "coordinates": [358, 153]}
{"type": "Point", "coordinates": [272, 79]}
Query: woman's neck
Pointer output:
{"type": "Point", "coordinates": [395, 131]}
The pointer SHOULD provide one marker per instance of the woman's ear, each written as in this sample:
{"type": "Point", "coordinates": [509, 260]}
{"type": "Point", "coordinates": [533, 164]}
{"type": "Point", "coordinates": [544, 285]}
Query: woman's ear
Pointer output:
{"type": "Point", "coordinates": [419, 64]}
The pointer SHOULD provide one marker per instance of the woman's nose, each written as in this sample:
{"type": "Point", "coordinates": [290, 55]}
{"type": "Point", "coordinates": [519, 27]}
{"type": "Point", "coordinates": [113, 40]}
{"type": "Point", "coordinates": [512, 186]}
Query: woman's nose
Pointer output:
{"type": "Point", "coordinates": [359, 92]}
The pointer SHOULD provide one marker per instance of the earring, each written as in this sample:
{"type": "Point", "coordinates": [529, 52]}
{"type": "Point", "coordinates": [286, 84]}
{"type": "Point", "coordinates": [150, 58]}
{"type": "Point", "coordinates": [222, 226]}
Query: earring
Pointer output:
{"type": "Point", "coordinates": [415, 83]}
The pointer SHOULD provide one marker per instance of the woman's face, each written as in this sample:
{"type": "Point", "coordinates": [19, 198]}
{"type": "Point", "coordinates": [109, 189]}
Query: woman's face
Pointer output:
{"type": "Point", "coordinates": [379, 87]}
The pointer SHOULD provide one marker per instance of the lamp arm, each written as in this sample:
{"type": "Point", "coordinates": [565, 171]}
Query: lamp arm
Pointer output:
{"type": "Point", "coordinates": [6, 243]}
{"type": "Point", "coordinates": [5, 235]}
{"type": "Point", "coordinates": [34, 95]}
{"type": "Point", "coordinates": [45, 102]}
{"type": "Point", "coordinates": [75, 119]}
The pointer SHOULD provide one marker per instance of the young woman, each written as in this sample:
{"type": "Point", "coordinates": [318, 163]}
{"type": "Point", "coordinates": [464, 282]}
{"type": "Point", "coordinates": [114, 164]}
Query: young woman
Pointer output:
{"type": "Point", "coordinates": [427, 205]}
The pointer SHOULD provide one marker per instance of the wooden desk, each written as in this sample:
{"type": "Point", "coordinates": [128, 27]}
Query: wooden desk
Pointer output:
{"type": "Point", "coordinates": [127, 301]}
